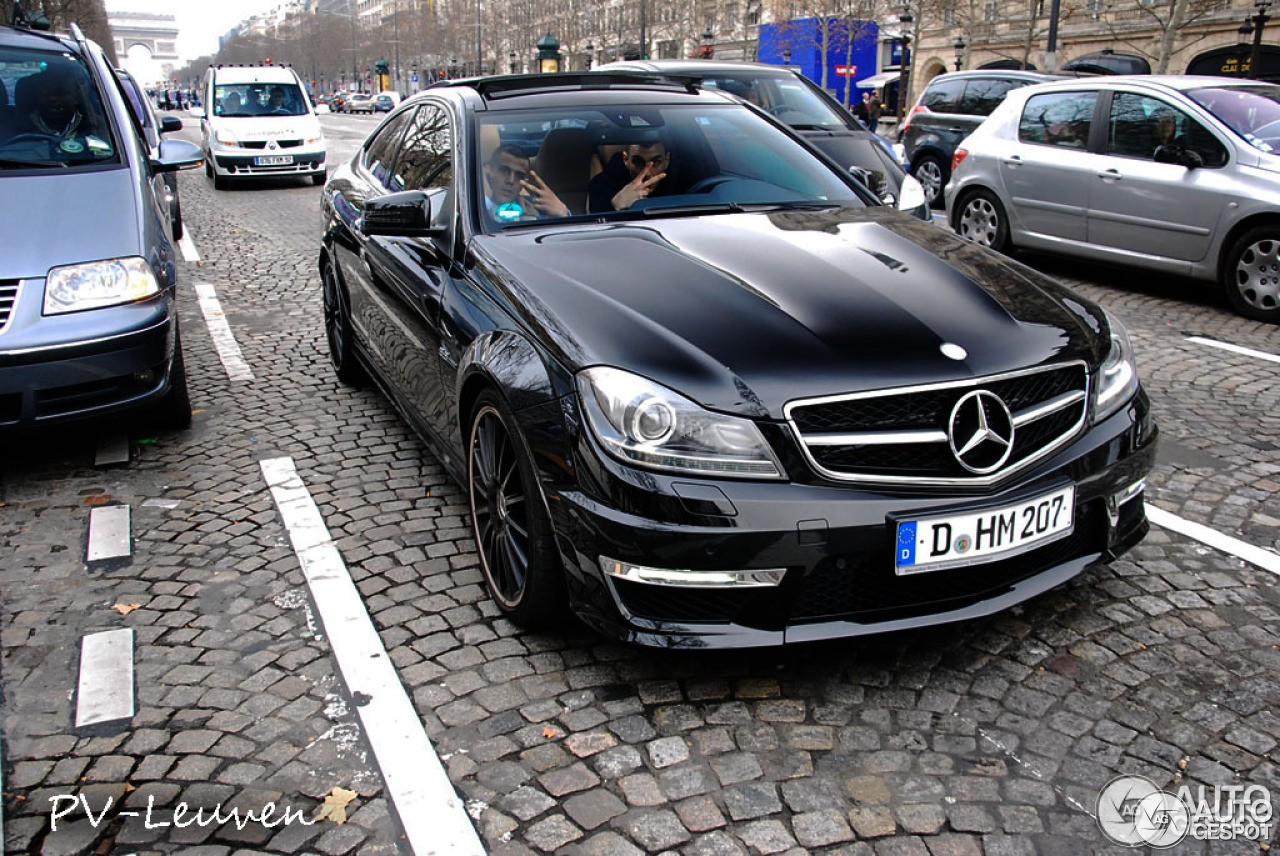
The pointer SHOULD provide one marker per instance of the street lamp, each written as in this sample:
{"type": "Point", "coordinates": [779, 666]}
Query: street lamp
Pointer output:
{"type": "Point", "coordinates": [453, 67]}
{"type": "Point", "coordinates": [591, 52]}
{"type": "Point", "coordinates": [1259, 21]}
{"type": "Point", "coordinates": [1245, 30]}
{"type": "Point", "coordinates": [708, 37]}
{"type": "Point", "coordinates": [904, 75]}
{"type": "Point", "coordinates": [786, 57]}
{"type": "Point", "coordinates": [959, 45]}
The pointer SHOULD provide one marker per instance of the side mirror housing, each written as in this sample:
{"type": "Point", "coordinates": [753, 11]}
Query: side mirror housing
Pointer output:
{"type": "Point", "coordinates": [170, 123]}
{"type": "Point", "coordinates": [173, 155]}
{"type": "Point", "coordinates": [406, 214]}
{"type": "Point", "coordinates": [1175, 153]}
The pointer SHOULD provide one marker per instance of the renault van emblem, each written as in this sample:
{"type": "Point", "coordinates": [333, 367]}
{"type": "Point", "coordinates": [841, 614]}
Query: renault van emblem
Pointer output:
{"type": "Point", "coordinates": [980, 432]}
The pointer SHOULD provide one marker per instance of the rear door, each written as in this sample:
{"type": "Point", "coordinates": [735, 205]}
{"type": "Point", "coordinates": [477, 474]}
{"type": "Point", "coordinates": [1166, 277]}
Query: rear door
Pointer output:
{"type": "Point", "coordinates": [1048, 174]}
{"type": "Point", "coordinates": [1157, 209]}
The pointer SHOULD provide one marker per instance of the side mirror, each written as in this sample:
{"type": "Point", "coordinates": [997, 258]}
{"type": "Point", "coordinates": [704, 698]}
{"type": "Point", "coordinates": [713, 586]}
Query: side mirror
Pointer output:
{"type": "Point", "coordinates": [170, 123]}
{"type": "Point", "coordinates": [1174, 153]}
{"type": "Point", "coordinates": [173, 155]}
{"type": "Point", "coordinates": [198, 112]}
{"type": "Point", "coordinates": [406, 214]}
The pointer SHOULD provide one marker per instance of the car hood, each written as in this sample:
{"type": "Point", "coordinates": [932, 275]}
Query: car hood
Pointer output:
{"type": "Point", "coordinates": [271, 127]}
{"type": "Point", "coordinates": [67, 218]}
{"type": "Point", "coordinates": [745, 312]}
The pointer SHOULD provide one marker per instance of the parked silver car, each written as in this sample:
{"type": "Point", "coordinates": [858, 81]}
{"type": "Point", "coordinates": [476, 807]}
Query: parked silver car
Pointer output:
{"type": "Point", "coordinates": [1172, 174]}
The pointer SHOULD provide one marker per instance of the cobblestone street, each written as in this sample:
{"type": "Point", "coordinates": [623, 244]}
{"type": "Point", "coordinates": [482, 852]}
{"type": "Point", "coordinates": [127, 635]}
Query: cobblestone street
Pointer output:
{"type": "Point", "coordinates": [992, 736]}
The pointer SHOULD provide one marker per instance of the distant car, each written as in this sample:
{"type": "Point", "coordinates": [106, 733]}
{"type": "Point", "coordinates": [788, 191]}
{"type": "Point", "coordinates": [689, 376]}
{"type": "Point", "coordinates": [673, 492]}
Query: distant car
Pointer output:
{"type": "Point", "coordinates": [1173, 174]}
{"type": "Point", "coordinates": [360, 102]}
{"type": "Point", "coordinates": [951, 107]}
{"type": "Point", "coordinates": [337, 100]}
{"type": "Point", "coordinates": [152, 127]}
{"type": "Point", "coordinates": [88, 319]}
{"type": "Point", "coordinates": [796, 101]}
{"type": "Point", "coordinates": [385, 102]}
{"type": "Point", "coordinates": [752, 408]}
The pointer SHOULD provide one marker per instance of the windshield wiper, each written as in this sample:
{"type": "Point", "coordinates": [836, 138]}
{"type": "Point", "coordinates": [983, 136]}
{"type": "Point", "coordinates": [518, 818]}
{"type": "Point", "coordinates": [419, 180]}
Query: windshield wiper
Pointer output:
{"type": "Point", "coordinates": [11, 163]}
{"type": "Point", "coordinates": [703, 208]}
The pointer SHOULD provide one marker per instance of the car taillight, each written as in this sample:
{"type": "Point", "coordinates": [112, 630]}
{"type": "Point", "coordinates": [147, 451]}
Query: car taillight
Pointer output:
{"type": "Point", "coordinates": [958, 158]}
{"type": "Point", "coordinates": [919, 108]}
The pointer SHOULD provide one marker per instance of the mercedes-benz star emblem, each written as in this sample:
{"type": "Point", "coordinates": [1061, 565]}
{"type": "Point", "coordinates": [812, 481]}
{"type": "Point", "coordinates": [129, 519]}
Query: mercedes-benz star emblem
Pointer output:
{"type": "Point", "coordinates": [981, 432]}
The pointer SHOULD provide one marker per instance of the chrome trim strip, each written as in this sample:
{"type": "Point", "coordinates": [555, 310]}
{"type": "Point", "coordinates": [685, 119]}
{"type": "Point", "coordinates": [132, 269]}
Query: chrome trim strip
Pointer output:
{"type": "Point", "coordinates": [877, 438]}
{"type": "Point", "coordinates": [691, 579]}
{"type": "Point", "coordinates": [1053, 405]}
{"type": "Point", "coordinates": [933, 481]}
{"type": "Point", "coordinates": [84, 342]}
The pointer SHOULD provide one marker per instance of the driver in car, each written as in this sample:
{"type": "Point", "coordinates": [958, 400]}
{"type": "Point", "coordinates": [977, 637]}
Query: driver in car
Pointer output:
{"type": "Point", "coordinates": [56, 101]}
{"type": "Point", "coordinates": [631, 175]}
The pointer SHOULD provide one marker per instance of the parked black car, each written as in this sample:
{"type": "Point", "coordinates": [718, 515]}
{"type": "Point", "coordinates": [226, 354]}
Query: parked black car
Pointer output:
{"type": "Point", "coordinates": [753, 407]}
{"type": "Point", "coordinates": [88, 323]}
{"type": "Point", "coordinates": [949, 109]}
{"type": "Point", "coordinates": [807, 108]}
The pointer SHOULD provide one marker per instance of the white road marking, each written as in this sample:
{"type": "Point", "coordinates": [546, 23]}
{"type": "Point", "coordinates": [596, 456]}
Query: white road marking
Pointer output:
{"type": "Point", "coordinates": [105, 692]}
{"type": "Point", "coordinates": [108, 533]}
{"type": "Point", "coordinates": [435, 820]}
{"type": "Point", "coordinates": [1235, 349]}
{"type": "Point", "coordinates": [1264, 559]}
{"type": "Point", "coordinates": [112, 449]}
{"type": "Point", "coordinates": [162, 502]}
{"type": "Point", "coordinates": [220, 331]}
{"type": "Point", "coordinates": [188, 247]}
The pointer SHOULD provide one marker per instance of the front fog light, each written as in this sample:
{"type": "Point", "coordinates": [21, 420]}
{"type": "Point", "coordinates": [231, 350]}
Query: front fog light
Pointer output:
{"type": "Point", "coordinates": [691, 579]}
{"type": "Point", "coordinates": [94, 285]}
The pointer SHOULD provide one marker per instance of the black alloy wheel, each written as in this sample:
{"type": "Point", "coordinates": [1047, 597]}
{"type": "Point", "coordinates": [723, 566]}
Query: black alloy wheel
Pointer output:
{"type": "Point", "coordinates": [511, 528]}
{"type": "Point", "coordinates": [337, 328]}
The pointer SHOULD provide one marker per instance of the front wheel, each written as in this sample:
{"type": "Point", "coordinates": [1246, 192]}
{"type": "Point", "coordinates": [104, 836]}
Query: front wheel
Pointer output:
{"type": "Point", "coordinates": [983, 221]}
{"type": "Point", "coordinates": [512, 529]}
{"type": "Point", "coordinates": [932, 176]}
{"type": "Point", "coordinates": [337, 329]}
{"type": "Point", "coordinates": [1252, 274]}
{"type": "Point", "coordinates": [174, 409]}
{"type": "Point", "coordinates": [318, 179]}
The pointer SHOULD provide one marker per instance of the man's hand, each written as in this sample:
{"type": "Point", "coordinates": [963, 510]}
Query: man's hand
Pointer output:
{"type": "Point", "coordinates": [639, 188]}
{"type": "Point", "coordinates": [543, 198]}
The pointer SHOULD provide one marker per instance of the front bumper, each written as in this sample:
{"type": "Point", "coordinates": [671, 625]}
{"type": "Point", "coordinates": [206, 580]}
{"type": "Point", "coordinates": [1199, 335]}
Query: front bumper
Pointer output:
{"type": "Point", "coordinates": [836, 544]}
{"type": "Point", "coordinates": [85, 364]}
{"type": "Point", "coordinates": [304, 162]}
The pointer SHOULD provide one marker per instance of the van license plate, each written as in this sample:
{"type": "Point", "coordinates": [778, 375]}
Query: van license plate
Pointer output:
{"type": "Point", "coordinates": [934, 543]}
{"type": "Point", "coordinates": [274, 160]}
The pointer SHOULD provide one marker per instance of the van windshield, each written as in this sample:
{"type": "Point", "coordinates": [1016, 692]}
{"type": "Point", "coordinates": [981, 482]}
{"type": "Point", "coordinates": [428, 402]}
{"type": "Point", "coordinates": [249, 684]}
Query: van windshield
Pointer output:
{"type": "Point", "coordinates": [258, 99]}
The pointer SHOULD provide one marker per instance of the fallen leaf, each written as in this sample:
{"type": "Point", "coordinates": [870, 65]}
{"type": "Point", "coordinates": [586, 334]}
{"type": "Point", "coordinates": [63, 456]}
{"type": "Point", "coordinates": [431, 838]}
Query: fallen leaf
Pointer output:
{"type": "Point", "coordinates": [335, 805]}
{"type": "Point", "coordinates": [98, 499]}
{"type": "Point", "coordinates": [126, 608]}
{"type": "Point", "coordinates": [549, 732]}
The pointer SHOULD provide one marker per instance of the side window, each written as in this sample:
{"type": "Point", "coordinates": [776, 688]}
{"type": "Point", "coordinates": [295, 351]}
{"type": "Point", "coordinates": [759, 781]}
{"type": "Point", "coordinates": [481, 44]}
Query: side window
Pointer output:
{"type": "Point", "coordinates": [426, 160]}
{"type": "Point", "coordinates": [380, 154]}
{"type": "Point", "coordinates": [943, 96]}
{"type": "Point", "coordinates": [1058, 119]}
{"type": "Point", "coordinates": [984, 94]}
{"type": "Point", "coordinates": [1139, 125]}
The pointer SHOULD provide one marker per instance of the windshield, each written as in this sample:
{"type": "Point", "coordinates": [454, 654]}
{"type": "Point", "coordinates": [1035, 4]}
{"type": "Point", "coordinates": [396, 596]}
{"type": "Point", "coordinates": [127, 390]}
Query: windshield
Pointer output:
{"type": "Point", "coordinates": [1253, 112]}
{"type": "Point", "coordinates": [258, 99]}
{"type": "Point", "coordinates": [785, 96]}
{"type": "Point", "coordinates": [51, 113]}
{"type": "Point", "coordinates": [640, 161]}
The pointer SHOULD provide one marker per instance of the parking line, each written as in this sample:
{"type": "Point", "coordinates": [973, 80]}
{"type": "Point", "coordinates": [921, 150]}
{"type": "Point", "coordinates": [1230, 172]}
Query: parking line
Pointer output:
{"type": "Point", "coordinates": [105, 692]}
{"type": "Point", "coordinates": [1264, 559]}
{"type": "Point", "coordinates": [434, 819]}
{"type": "Point", "coordinates": [108, 533]}
{"type": "Point", "coordinates": [1235, 349]}
{"type": "Point", "coordinates": [188, 247]}
{"type": "Point", "coordinates": [220, 331]}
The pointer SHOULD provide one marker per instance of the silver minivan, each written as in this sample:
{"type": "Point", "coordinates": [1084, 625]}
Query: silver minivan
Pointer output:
{"type": "Point", "coordinates": [1173, 174]}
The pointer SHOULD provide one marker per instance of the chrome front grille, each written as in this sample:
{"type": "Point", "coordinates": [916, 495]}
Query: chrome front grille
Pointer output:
{"type": "Point", "coordinates": [8, 299]}
{"type": "Point", "coordinates": [900, 436]}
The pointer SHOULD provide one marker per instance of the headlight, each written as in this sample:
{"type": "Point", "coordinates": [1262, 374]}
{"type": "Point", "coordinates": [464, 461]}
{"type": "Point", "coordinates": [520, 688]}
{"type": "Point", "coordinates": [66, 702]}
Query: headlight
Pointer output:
{"type": "Point", "coordinates": [1118, 377]}
{"type": "Point", "coordinates": [226, 138]}
{"type": "Point", "coordinates": [647, 424]}
{"type": "Point", "coordinates": [911, 195]}
{"type": "Point", "coordinates": [94, 285]}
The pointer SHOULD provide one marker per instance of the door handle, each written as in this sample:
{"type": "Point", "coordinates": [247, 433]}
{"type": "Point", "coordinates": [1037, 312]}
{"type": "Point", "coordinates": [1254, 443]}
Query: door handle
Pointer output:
{"type": "Point", "coordinates": [956, 130]}
{"type": "Point", "coordinates": [1013, 160]}
{"type": "Point", "coordinates": [1110, 173]}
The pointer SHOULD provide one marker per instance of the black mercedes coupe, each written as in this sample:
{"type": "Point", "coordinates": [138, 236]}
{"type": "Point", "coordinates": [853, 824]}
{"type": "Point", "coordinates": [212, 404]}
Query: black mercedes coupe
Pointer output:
{"type": "Point", "coordinates": [702, 388]}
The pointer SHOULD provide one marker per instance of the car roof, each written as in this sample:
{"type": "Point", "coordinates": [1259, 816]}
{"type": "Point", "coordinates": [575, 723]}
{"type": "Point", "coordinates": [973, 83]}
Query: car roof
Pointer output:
{"type": "Point", "coordinates": [519, 91]}
{"type": "Point", "coordinates": [1006, 73]}
{"type": "Point", "coordinates": [697, 66]}
{"type": "Point", "coordinates": [1167, 83]}
{"type": "Point", "coordinates": [18, 37]}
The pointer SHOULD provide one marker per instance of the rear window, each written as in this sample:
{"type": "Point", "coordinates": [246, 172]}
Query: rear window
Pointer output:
{"type": "Point", "coordinates": [983, 95]}
{"type": "Point", "coordinates": [943, 96]}
{"type": "Point", "coordinates": [51, 113]}
{"type": "Point", "coordinates": [1058, 119]}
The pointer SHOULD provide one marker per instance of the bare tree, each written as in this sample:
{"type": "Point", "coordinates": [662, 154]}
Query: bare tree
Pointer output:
{"type": "Point", "coordinates": [89, 15]}
{"type": "Point", "coordinates": [1170, 19]}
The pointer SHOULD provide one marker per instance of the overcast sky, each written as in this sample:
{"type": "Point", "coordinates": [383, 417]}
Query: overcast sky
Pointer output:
{"type": "Point", "coordinates": [200, 22]}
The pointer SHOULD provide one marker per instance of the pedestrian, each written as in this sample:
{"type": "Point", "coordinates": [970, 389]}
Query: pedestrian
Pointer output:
{"type": "Point", "coordinates": [874, 108]}
{"type": "Point", "coordinates": [860, 109]}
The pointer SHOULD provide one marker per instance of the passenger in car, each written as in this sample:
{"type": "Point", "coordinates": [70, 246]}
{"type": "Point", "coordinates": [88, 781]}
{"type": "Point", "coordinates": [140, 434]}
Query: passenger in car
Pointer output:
{"type": "Point", "coordinates": [630, 175]}
{"type": "Point", "coordinates": [231, 104]}
{"type": "Point", "coordinates": [515, 192]}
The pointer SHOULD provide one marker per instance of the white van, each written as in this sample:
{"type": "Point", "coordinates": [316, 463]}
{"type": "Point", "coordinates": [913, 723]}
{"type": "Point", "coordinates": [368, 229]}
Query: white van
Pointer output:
{"type": "Point", "coordinates": [256, 120]}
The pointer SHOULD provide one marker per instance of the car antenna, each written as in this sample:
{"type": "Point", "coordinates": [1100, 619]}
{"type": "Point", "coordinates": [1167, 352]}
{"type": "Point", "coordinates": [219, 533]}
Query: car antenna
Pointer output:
{"type": "Point", "coordinates": [28, 20]}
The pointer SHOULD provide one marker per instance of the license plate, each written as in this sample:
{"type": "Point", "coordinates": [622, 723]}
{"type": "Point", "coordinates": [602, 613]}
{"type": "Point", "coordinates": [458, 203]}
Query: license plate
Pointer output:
{"type": "Point", "coordinates": [934, 543]}
{"type": "Point", "coordinates": [273, 160]}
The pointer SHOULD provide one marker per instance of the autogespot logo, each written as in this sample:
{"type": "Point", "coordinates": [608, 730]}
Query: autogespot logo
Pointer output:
{"type": "Point", "coordinates": [1134, 812]}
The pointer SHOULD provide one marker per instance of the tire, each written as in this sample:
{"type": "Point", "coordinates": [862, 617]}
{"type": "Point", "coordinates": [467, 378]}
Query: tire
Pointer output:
{"type": "Point", "coordinates": [337, 329]}
{"type": "Point", "coordinates": [982, 219]}
{"type": "Point", "coordinates": [221, 182]}
{"type": "Point", "coordinates": [1251, 275]}
{"type": "Point", "coordinates": [208, 167]}
{"type": "Point", "coordinates": [175, 217]}
{"type": "Point", "coordinates": [511, 527]}
{"type": "Point", "coordinates": [318, 179]}
{"type": "Point", "coordinates": [933, 175]}
{"type": "Point", "coordinates": [173, 411]}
